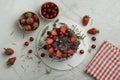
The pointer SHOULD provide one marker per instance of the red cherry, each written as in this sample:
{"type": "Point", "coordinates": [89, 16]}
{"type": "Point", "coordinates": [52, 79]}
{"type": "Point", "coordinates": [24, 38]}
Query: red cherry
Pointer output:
{"type": "Point", "coordinates": [93, 46]}
{"type": "Point", "coordinates": [26, 43]}
{"type": "Point", "coordinates": [30, 51]}
{"type": "Point", "coordinates": [51, 4]}
{"type": "Point", "coordinates": [55, 7]}
{"type": "Point", "coordinates": [43, 13]}
{"type": "Point", "coordinates": [51, 16]}
{"type": "Point", "coordinates": [31, 39]}
{"type": "Point", "coordinates": [44, 10]}
{"type": "Point", "coordinates": [81, 51]}
{"type": "Point", "coordinates": [47, 16]}
{"type": "Point", "coordinates": [44, 6]}
{"type": "Point", "coordinates": [93, 38]}
{"type": "Point", "coordinates": [54, 14]}
{"type": "Point", "coordinates": [42, 55]}
{"type": "Point", "coordinates": [48, 10]}
{"type": "Point", "coordinates": [47, 5]}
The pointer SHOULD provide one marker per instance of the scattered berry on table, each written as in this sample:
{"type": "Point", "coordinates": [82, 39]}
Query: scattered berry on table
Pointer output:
{"type": "Point", "coordinates": [93, 46]}
{"type": "Point", "coordinates": [31, 39]}
{"type": "Point", "coordinates": [26, 43]}
{"type": "Point", "coordinates": [93, 38]}
{"type": "Point", "coordinates": [85, 20]}
{"type": "Point", "coordinates": [42, 55]}
{"type": "Point", "coordinates": [81, 51]}
{"type": "Point", "coordinates": [30, 51]}
{"type": "Point", "coordinates": [93, 31]}
{"type": "Point", "coordinates": [11, 61]}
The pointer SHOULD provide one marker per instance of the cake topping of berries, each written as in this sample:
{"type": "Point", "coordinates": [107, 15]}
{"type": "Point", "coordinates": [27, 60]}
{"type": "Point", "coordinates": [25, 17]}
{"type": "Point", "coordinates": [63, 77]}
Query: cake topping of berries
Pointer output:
{"type": "Point", "coordinates": [11, 61]}
{"type": "Point", "coordinates": [61, 42]}
{"type": "Point", "coordinates": [9, 51]}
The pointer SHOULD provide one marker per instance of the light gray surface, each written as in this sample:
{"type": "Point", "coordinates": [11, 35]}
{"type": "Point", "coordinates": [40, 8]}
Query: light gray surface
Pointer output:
{"type": "Point", "coordinates": [104, 16]}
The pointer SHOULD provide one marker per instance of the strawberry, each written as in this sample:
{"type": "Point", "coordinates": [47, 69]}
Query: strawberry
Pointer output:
{"type": "Point", "coordinates": [73, 39]}
{"type": "Point", "coordinates": [11, 61]}
{"type": "Point", "coordinates": [51, 50]}
{"type": "Point", "coordinates": [35, 17]}
{"type": "Point", "coordinates": [35, 24]}
{"type": "Point", "coordinates": [30, 20]}
{"type": "Point", "coordinates": [58, 54]}
{"type": "Point", "coordinates": [93, 31]}
{"type": "Point", "coordinates": [85, 20]}
{"type": "Point", "coordinates": [27, 28]}
{"type": "Point", "coordinates": [63, 29]}
{"type": "Point", "coordinates": [9, 51]}
{"type": "Point", "coordinates": [49, 41]}
{"type": "Point", "coordinates": [70, 51]}
{"type": "Point", "coordinates": [28, 14]}
{"type": "Point", "coordinates": [23, 21]}
{"type": "Point", "coordinates": [54, 32]}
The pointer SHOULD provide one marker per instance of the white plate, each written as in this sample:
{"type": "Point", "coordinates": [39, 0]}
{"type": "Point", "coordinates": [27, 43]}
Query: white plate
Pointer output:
{"type": "Point", "coordinates": [71, 62]}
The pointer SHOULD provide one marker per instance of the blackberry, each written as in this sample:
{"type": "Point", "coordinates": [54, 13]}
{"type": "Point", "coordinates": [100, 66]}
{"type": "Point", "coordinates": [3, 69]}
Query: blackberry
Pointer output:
{"type": "Point", "coordinates": [45, 46]}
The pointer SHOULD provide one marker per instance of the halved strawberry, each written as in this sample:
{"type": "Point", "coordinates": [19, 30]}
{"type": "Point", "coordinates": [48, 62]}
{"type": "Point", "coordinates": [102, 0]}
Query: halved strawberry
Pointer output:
{"type": "Point", "coordinates": [70, 51]}
{"type": "Point", "coordinates": [58, 54]}
{"type": "Point", "coordinates": [49, 41]}
{"type": "Point", "coordinates": [63, 29]}
{"type": "Point", "coordinates": [73, 39]}
{"type": "Point", "coordinates": [51, 50]}
{"type": "Point", "coordinates": [54, 32]}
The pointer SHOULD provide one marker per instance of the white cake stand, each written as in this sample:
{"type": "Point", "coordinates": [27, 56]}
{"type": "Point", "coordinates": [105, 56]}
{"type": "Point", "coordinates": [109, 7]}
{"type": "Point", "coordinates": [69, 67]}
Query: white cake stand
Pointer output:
{"type": "Point", "coordinates": [71, 62]}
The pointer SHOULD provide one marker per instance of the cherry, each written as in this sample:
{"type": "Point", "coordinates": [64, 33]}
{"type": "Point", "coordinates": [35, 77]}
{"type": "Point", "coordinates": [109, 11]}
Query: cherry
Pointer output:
{"type": "Point", "coordinates": [31, 39]}
{"type": "Point", "coordinates": [81, 51]}
{"type": "Point", "coordinates": [93, 46]}
{"type": "Point", "coordinates": [42, 55]}
{"type": "Point", "coordinates": [26, 43]}
{"type": "Point", "coordinates": [93, 38]}
{"type": "Point", "coordinates": [30, 51]}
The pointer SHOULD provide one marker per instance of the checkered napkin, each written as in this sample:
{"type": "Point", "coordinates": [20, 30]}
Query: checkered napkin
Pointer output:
{"type": "Point", "coordinates": [106, 63]}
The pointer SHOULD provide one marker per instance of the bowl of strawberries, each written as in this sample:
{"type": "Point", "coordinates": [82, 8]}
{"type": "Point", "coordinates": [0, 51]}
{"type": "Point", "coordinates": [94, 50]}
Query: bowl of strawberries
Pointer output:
{"type": "Point", "coordinates": [61, 42]}
{"type": "Point", "coordinates": [28, 21]}
{"type": "Point", "coordinates": [49, 10]}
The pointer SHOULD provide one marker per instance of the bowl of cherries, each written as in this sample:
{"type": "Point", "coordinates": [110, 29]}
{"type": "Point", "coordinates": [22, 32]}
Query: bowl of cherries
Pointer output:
{"type": "Point", "coordinates": [49, 10]}
{"type": "Point", "coordinates": [28, 21]}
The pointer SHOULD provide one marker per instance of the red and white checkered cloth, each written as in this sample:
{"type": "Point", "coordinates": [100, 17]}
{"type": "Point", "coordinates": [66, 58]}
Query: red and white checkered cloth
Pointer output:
{"type": "Point", "coordinates": [106, 63]}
